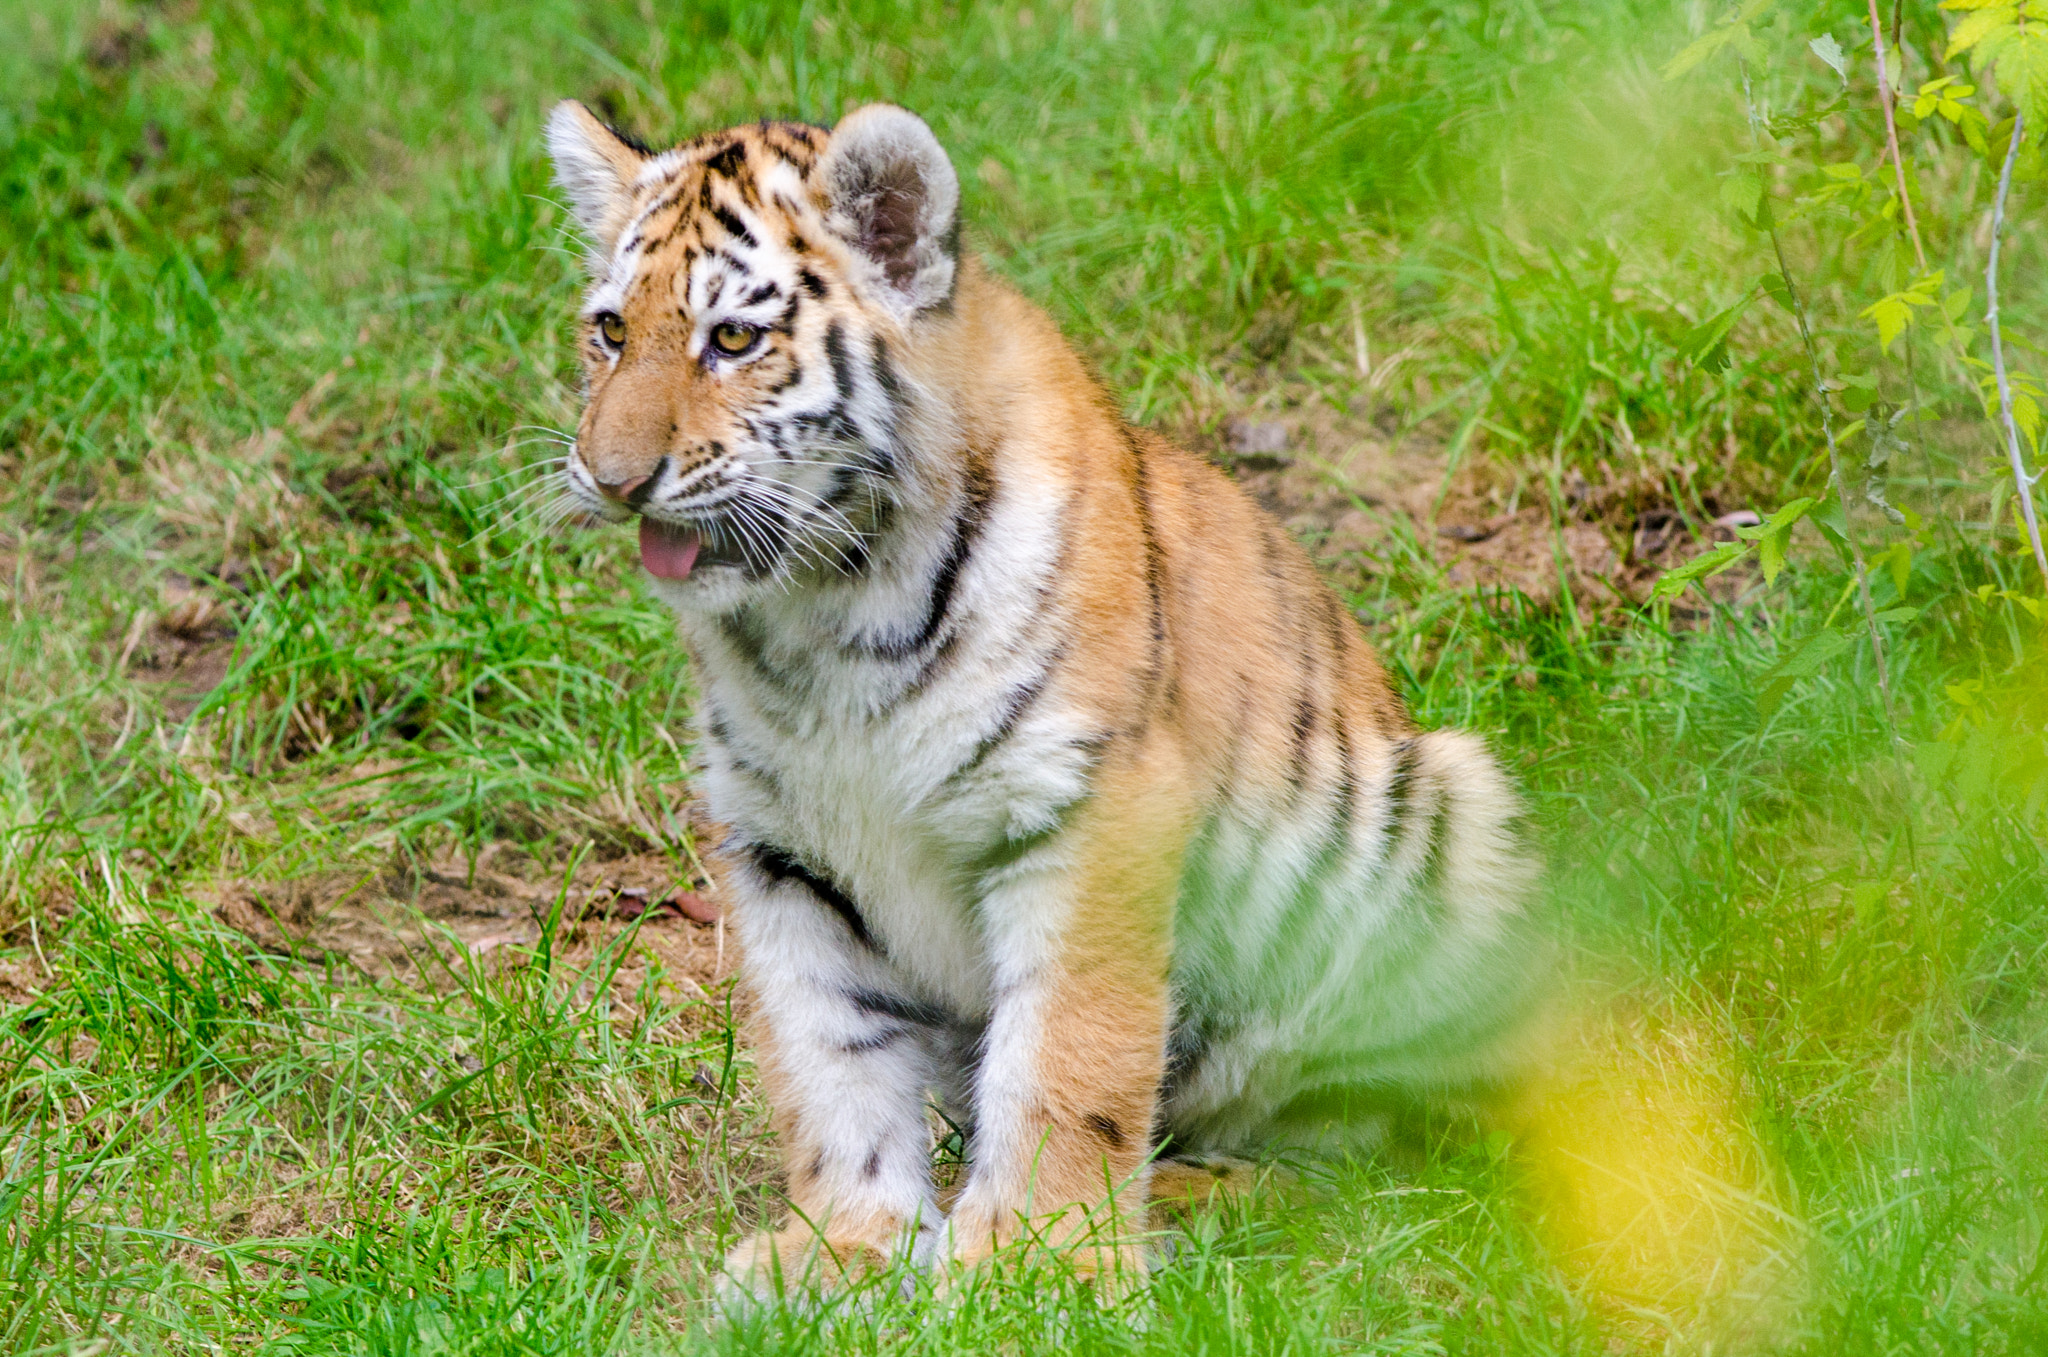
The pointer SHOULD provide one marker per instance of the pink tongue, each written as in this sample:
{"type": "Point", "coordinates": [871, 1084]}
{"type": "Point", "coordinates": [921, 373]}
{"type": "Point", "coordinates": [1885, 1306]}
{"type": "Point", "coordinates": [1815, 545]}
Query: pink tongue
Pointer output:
{"type": "Point", "coordinates": [668, 553]}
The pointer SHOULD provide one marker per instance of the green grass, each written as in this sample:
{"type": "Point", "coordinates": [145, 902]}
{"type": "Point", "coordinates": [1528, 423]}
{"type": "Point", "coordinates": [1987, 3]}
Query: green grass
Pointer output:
{"type": "Point", "coordinates": [283, 318]}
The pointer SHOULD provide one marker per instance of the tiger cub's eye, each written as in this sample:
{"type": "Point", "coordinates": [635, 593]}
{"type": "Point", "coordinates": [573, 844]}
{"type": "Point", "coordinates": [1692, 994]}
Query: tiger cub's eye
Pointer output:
{"type": "Point", "coordinates": [613, 327]}
{"type": "Point", "coordinates": [733, 340]}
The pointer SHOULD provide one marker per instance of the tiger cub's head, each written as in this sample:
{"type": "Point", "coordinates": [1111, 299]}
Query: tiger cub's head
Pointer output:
{"type": "Point", "coordinates": [747, 291]}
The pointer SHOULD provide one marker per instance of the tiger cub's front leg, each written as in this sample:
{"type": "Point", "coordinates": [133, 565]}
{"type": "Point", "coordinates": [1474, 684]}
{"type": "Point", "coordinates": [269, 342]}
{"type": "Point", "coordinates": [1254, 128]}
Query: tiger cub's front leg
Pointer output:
{"type": "Point", "coordinates": [845, 1066]}
{"type": "Point", "coordinates": [1078, 924]}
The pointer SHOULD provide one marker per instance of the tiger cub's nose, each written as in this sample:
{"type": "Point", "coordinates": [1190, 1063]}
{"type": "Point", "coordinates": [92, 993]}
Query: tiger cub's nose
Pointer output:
{"type": "Point", "coordinates": [623, 491]}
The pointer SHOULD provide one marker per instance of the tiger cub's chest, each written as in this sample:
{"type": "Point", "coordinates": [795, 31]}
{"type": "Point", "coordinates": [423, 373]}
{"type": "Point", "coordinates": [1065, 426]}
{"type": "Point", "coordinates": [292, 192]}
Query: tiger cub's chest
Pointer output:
{"type": "Point", "coordinates": [897, 807]}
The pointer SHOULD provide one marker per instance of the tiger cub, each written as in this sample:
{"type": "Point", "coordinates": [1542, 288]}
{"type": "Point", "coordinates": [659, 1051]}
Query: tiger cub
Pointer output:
{"type": "Point", "coordinates": [1061, 790]}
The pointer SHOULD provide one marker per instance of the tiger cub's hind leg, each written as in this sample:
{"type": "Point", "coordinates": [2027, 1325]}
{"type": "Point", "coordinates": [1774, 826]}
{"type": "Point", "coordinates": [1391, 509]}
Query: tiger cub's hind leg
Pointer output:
{"type": "Point", "coordinates": [1192, 1183]}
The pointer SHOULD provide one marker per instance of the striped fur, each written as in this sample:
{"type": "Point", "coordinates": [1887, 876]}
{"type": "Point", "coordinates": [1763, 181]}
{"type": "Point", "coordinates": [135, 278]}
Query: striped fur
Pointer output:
{"type": "Point", "coordinates": [1060, 788]}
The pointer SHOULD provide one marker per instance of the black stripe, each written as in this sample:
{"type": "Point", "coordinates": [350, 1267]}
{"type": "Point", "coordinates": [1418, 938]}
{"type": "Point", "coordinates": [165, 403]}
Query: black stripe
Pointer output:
{"type": "Point", "coordinates": [1187, 1046]}
{"type": "Point", "coordinates": [892, 399]}
{"type": "Point", "coordinates": [842, 366]}
{"type": "Point", "coordinates": [1141, 489]}
{"type": "Point", "coordinates": [670, 199]}
{"type": "Point", "coordinates": [1400, 797]}
{"type": "Point", "coordinates": [778, 866]}
{"type": "Point", "coordinates": [1399, 790]}
{"type": "Point", "coordinates": [885, 372]}
{"type": "Point", "coordinates": [1304, 726]}
{"type": "Point", "coordinates": [1342, 627]}
{"type": "Point", "coordinates": [734, 227]}
{"type": "Point", "coordinates": [1009, 851]}
{"type": "Point", "coordinates": [934, 668]}
{"type": "Point", "coordinates": [968, 520]}
{"type": "Point", "coordinates": [1347, 793]}
{"type": "Point", "coordinates": [886, 1005]}
{"type": "Point", "coordinates": [1014, 706]}
{"type": "Point", "coordinates": [879, 1041]}
{"type": "Point", "coordinates": [1105, 1126]}
{"type": "Point", "coordinates": [813, 284]}
{"type": "Point", "coordinates": [1439, 826]}
{"type": "Point", "coordinates": [729, 160]}
{"type": "Point", "coordinates": [720, 732]}
{"type": "Point", "coordinates": [760, 294]}
{"type": "Point", "coordinates": [740, 632]}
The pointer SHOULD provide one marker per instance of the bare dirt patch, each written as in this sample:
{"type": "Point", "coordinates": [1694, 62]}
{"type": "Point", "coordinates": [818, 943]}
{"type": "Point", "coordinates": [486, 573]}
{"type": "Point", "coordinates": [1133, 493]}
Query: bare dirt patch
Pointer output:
{"type": "Point", "coordinates": [186, 649]}
{"type": "Point", "coordinates": [1357, 490]}
{"type": "Point", "coordinates": [432, 925]}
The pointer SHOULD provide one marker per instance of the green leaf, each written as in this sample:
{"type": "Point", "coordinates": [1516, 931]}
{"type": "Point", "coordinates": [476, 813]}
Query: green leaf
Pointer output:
{"type": "Point", "coordinates": [1992, 23]}
{"type": "Point", "coordinates": [1743, 193]}
{"type": "Point", "coordinates": [1897, 558]}
{"type": "Point", "coordinates": [1673, 581]}
{"type": "Point", "coordinates": [1783, 519]}
{"type": "Point", "coordinates": [1771, 556]}
{"type": "Point", "coordinates": [1974, 125]}
{"type": "Point", "coordinates": [1770, 696]}
{"type": "Point", "coordinates": [1774, 287]}
{"type": "Point", "coordinates": [1827, 516]}
{"type": "Point", "coordinates": [1892, 314]}
{"type": "Point", "coordinates": [1828, 50]}
{"type": "Point", "coordinates": [2023, 74]}
{"type": "Point", "coordinates": [1772, 534]}
{"type": "Point", "coordinates": [1702, 344]}
{"type": "Point", "coordinates": [2026, 413]}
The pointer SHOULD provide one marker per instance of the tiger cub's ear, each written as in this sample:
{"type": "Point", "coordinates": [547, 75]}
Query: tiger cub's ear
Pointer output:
{"type": "Point", "coordinates": [889, 191]}
{"type": "Point", "coordinates": [596, 167]}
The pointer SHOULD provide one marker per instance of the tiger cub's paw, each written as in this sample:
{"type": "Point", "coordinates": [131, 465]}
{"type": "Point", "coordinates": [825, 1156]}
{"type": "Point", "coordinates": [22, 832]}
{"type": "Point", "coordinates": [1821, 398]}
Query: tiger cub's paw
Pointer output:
{"type": "Point", "coordinates": [1109, 1264]}
{"type": "Point", "coordinates": [795, 1262]}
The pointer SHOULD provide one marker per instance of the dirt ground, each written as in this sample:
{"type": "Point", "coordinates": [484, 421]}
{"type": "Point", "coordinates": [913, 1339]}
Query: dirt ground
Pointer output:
{"type": "Point", "coordinates": [1348, 486]}
{"type": "Point", "coordinates": [428, 924]}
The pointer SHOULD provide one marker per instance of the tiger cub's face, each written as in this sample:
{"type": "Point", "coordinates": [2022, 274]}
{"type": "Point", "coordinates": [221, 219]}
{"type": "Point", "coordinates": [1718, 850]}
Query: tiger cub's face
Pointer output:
{"type": "Point", "coordinates": [746, 291]}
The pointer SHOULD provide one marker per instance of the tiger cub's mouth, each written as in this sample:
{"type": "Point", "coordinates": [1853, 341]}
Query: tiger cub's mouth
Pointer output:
{"type": "Point", "coordinates": [666, 551]}
{"type": "Point", "coordinates": [676, 551]}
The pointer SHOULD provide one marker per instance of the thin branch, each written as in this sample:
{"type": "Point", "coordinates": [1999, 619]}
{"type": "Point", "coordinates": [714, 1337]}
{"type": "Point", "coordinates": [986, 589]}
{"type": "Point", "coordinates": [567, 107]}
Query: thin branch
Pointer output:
{"type": "Point", "coordinates": [1827, 426]}
{"type": "Point", "coordinates": [2021, 480]}
{"type": "Point", "coordinates": [1891, 132]}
